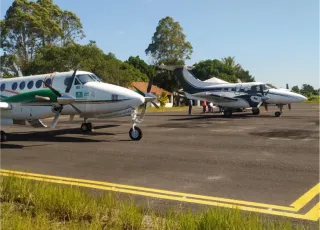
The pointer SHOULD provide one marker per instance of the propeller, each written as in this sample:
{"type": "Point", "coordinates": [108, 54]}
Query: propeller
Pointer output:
{"type": "Point", "coordinates": [264, 98]}
{"type": "Point", "coordinates": [149, 97]}
{"type": "Point", "coordinates": [63, 99]}
{"type": "Point", "coordinates": [289, 105]}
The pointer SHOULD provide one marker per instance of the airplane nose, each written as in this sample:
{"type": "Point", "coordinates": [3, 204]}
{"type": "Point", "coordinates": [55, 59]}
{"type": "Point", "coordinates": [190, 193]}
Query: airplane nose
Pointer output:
{"type": "Point", "coordinates": [302, 98]}
{"type": "Point", "coordinates": [139, 100]}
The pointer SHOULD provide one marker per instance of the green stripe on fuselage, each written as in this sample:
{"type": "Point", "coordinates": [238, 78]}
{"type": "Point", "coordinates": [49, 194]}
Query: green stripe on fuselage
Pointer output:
{"type": "Point", "coordinates": [30, 96]}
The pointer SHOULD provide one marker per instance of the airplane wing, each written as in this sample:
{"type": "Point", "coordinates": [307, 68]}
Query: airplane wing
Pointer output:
{"type": "Point", "coordinates": [217, 97]}
{"type": "Point", "coordinates": [5, 106]}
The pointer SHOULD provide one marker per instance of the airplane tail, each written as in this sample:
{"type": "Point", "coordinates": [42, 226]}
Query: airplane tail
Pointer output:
{"type": "Point", "coordinates": [189, 82]}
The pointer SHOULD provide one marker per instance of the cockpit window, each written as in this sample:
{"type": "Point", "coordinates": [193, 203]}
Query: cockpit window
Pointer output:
{"type": "Point", "coordinates": [85, 78]}
{"type": "Point", "coordinates": [96, 77]}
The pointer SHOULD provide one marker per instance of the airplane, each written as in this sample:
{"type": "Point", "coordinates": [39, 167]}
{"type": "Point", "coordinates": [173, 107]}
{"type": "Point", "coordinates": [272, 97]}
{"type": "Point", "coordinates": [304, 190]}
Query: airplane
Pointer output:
{"type": "Point", "coordinates": [32, 98]}
{"type": "Point", "coordinates": [233, 96]}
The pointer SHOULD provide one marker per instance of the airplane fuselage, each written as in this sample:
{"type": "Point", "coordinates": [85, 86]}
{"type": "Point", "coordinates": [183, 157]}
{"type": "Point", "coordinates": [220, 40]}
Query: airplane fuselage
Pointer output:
{"type": "Point", "coordinates": [31, 99]}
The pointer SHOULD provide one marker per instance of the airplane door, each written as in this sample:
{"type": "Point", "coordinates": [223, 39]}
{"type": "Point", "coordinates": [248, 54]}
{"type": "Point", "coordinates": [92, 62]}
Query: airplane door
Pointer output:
{"type": "Point", "coordinates": [237, 91]}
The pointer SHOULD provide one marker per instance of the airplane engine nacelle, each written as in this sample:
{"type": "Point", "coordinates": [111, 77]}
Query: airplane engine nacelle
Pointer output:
{"type": "Point", "coordinates": [5, 122]}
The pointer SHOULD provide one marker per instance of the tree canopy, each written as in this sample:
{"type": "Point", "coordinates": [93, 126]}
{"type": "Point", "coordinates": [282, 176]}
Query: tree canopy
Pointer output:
{"type": "Point", "coordinates": [169, 43]}
{"type": "Point", "coordinates": [226, 69]}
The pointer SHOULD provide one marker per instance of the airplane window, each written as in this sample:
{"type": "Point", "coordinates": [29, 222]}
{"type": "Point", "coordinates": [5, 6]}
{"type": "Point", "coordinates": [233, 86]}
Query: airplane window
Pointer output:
{"type": "Point", "coordinates": [114, 97]}
{"type": "Point", "coordinates": [85, 78]}
{"type": "Point", "coordinates": [38, 84]}
{"type": "Point", "coordinates": [14, 86]}
{"type": "Point", "coordinates": [67, 80]}
{"type": "Point", "coordinates": [48, 81]}
{"type": "Point", "coordinates": [96, 77]}
{"type": "Point", "coordinates": [22, 85]}
{"type": "Point", "coordinates": [30, 84]}
{"type": "Point", "coordinates": [3, 86]}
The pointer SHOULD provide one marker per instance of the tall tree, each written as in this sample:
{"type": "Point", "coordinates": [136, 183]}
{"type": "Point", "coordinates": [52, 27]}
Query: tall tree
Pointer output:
{"type": "Point", "coordinates": [29, 25]}
{"type": "Point", "coordinates": [307, 90]}
{"type": "Point", "coordinates": [169, 43]}
{"type": "Point", "coordinates": [168, 46]}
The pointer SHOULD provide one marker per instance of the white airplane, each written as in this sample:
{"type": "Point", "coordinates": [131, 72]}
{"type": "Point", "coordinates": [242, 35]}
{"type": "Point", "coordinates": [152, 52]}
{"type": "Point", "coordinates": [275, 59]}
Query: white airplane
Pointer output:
{"type": "Point", "coordinates": [234, 95]}
{"type": "Point", "coordinates": [32, 98]}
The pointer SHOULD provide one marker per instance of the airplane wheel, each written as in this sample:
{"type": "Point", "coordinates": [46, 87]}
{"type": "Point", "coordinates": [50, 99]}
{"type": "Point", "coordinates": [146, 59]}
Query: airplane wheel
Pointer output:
{"type": "Point", "coordinates": [227, 113]}
{"type": "Point", "coordinates": [256, 111]}
{"type": "Point", "coordinates": [4, 136]}
{"type": "Point", "coordinates": [277, 114]}
{"type": "Point", "coordinates": [135, 134]}
{"type": "Point", "coordinates": [86, 127]}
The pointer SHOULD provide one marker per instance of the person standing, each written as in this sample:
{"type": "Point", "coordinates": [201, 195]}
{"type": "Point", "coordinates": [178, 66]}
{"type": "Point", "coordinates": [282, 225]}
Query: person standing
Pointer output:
{"type": "Point", "coordinates": [204, 106]}
{"type": "Point", "coordinates": [190, 102]}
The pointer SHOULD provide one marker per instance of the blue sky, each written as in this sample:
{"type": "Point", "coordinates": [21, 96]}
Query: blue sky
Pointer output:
{"type": "Point", "coordinates": [277, 41]}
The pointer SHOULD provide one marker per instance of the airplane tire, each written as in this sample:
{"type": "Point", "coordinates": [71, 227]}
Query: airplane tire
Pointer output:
{"type": "Point", "coordinates": [256, 111]}
{"type": "Point", "coordinates": [227, 113]}
{"type": "Point", "coordinates": [3, 136]}
{"type": "Point", "coordinates": [135, 134]}
{"type": "Point", "coordinates": [86, 127]}
{"type": "Point", "coordinates": [277, 114]}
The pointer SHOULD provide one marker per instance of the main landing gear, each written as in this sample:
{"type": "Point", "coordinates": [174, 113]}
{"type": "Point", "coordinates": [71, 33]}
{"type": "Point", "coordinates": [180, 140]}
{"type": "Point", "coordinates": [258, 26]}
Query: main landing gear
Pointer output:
{"type": "Point", "coordinates": [4, 136]}
{"type": "Point", "coordinates": [135, 132]}
{"type": "Point", "coordinates": [279, 113]}
{"type": "Point", "coordinates": [227, 113]}
{"type": "Point", "coordinates": [86, 126]}
{"type": "Point", "coordinates": [255, 111]}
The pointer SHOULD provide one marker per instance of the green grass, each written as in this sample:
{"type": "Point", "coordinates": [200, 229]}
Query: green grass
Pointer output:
{"type": "Point", "coordinates": [27, 204]}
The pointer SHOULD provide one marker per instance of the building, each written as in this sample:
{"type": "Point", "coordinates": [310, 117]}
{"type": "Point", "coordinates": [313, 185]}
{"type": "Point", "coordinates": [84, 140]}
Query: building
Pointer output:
{"type": "Point", "coordinates": [155, 90]}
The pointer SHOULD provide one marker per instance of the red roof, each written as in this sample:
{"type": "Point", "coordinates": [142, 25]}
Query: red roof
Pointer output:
{"type": "Point", "coordinates": [144, 85]}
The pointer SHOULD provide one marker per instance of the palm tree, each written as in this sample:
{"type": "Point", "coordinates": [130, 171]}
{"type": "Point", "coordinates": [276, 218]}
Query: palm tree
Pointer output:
{"type": "Point", "coordinates": [230, 62]}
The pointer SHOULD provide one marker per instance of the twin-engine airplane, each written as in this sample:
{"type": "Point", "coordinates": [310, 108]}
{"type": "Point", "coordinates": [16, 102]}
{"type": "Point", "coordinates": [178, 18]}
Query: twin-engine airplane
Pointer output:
{"type": "Point", "coordinates": [234, 95]}
{"type": "Point", "coordinates": [32, 98]}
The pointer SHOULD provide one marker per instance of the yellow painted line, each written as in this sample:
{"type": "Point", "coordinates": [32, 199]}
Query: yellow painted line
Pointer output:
{"type": "Point", "coordinates": [180, 194]}
{"type": "Point", "coordinates": [307, 197]}
{"type": "Point", "coordinates": [314, 213]}
{"type": "Point", "coordinates": [167, 197]}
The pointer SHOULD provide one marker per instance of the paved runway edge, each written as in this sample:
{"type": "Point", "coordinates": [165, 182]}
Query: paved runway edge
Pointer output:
{"type": "Point", "coordinates": [291, 211]}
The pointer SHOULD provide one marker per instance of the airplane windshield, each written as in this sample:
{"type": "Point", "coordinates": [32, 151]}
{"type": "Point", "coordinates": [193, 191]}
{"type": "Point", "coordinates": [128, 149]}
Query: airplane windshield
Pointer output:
{"type": "Point", "coordinates": [95, 77]}
{"type": "Point", "coordinates": [86, 78]}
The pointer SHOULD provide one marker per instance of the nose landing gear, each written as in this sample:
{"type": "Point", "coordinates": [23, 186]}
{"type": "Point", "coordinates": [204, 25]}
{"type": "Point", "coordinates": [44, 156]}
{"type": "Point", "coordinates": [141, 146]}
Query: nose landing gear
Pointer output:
{"type": "Point", "coordinates": [135, 132]}
{"type": "Point", "coordinates": [86, 126]}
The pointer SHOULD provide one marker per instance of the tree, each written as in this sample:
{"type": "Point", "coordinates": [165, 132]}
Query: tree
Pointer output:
{"type": "Point", "coordinates": [226, 70]}
{"type": "Point", "coordinates": [163, 98]}
{"type": "Point", "coordinates": [85, 57]}
{"type": "Point", "coordinates": [141, 65]}
{"type": "Point", "coordinates": [307, 90]}
{"type": "Point", "coordinates": [295, 89]}
{"type": "Point", "coordinates": [169, 43]}
{"type": "Point", "coordinates": [28, 26]}
{"type": "Point", "coordinates": [168, 46]}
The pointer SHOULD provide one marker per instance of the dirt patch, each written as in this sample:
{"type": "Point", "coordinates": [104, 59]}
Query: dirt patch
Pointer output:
{"type": "Point", "coordinates": [294, 134]}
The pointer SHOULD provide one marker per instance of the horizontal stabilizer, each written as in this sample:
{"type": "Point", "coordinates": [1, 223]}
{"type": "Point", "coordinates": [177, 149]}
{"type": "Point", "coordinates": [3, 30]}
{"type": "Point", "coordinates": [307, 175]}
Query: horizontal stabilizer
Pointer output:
{"type": "Point", "coordinates": [174, 67]}
{"type": "Point", "coordinates": [5, 105]}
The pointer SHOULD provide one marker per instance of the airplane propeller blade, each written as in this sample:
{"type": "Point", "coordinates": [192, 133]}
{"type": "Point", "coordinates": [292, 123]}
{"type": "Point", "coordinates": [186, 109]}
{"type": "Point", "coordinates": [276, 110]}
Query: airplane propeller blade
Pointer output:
{"type": "Point", "coordinates": [52, 89]}
{"type": "Point", "coordinates": [155, 105]}
{"type": "Point", "coordinates": [56, 118]}
{"type": "Point", "coordinates": [289, 106]}
{"type": "Point", "coordinates": [76, 109]}
{"type": "Point", "coordinates": [71, 81]}
{"type": "Point", "coordinates": [266, 106]}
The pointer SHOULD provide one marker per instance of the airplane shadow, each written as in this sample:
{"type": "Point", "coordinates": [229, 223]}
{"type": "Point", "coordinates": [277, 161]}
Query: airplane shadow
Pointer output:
{"type": "Point", "coordinates": [57, 135]}
{"type": "Point", "coordinates": [217, 116]}
{"type": "Point", "coordinates": [14, 146]}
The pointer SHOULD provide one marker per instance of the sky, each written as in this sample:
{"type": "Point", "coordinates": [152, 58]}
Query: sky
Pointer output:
{"type": "Point", "coordinates": [277, 41]}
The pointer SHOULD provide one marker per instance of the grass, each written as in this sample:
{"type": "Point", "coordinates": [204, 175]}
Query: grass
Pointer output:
{"type": "Point", "coordinates": [27, 204]}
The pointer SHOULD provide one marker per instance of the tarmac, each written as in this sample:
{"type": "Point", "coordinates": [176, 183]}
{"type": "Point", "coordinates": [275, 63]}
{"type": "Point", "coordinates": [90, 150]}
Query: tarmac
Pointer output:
{"type": "Point", "coordinates": [259, 163]}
